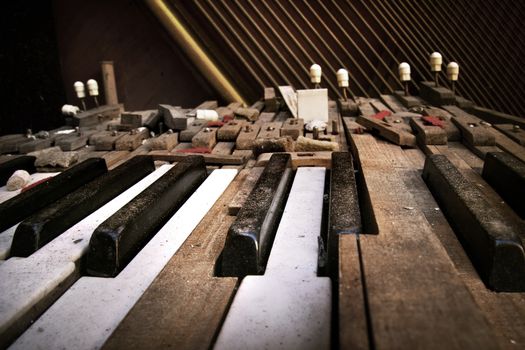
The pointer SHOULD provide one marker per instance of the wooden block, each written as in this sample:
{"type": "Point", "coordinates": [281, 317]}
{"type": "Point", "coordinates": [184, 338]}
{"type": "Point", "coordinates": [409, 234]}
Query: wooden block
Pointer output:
{"type": "Point", "coordinates": [35, 145]}
{"type": "Point", "coordinates": [258, 105]}
{"type": "Point", "coordinates": [271, 104]}
{"type": "Point", "coordinates": [130, 118]}
{"type": "Point", "coordinates": [462, 102]}
{"type": "Point", "coordinates": [182, 146]}
{"type": "Point", "coordinates": [408, 101]}
{"type": "Point", "coordinates": [247, 136]}
{"type": "Point", "coordinates": [72, 142]}
{"type": "Point", "coordinates": [453, 133]}
{"type": "Point", "coordinates": [95, 116]}
{"type": "Point", "coordinates": [513, 131]}
{"type": "Point", "coordinates": [230, 130]}
{"type": "Point", "coordinates": [206, 138]}
{"type": "Point", "coordinates": [107, 142]}
{"type": "Point", "coordinates": [174, 117]}
{"type": "Point", "coordinates": [293, 127]}
{"type": "Point", "coordinates": [392, 103]}
{"type": "Point", "coordinates": [12, 143]}
{"type": "Point", "coordinates": [399, 137]}
{"type": "Point", "coordinates": [437, 96]}
{"type": "Point", "coordinates": [191, 130]}
{"type": "Point", "coordinates": [347, 108]}
{"type": "Point", "coordinates": [246, 153]}
{"type": "Point", "coordinates": [166, 141]}
{"type": "Point", "coordinates": [270, 130]}
{"type": "Point", "coordinates": [428, 134]}
{"type": "Point", "coordinates": [132, 140]}
{"type": "Point", "coordinates": [223, 148]}
{"type": "Point", "coordinates": [250, 114]}
{"type": "Point", "coordinates": [265, 117]}
{"type": "Point", "coordinates": [474, 133]}
{"type": "Point", "coordinates": [251, 177]}
{"type": "Point", "coordinates": [299, 159]}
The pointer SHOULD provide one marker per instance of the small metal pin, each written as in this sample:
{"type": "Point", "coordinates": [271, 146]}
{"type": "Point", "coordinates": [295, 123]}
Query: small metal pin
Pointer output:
{"type": "Point", "coordinates": [316, 133]}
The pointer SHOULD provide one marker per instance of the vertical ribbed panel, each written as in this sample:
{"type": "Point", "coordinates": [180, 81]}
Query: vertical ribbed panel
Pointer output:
{"type": "Point", "coordinates": [270, 43]}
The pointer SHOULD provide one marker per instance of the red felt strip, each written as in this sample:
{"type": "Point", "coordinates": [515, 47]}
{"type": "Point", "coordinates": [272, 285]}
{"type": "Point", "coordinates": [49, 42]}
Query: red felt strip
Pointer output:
{"type": "Point", "coordinates": [381, 115]}
{"type": "Point", "coordinates": [435, 121]}
{"type": "Point", "coordinates": [28, 187]}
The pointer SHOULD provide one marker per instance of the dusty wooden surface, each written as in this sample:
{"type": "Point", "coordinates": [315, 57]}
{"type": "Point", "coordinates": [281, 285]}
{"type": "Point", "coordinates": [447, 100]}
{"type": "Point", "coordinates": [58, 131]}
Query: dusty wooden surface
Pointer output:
{"type": "Point", "coordinates": [416, 298]}
{"type": "Point", "coordinates": [185, 304]}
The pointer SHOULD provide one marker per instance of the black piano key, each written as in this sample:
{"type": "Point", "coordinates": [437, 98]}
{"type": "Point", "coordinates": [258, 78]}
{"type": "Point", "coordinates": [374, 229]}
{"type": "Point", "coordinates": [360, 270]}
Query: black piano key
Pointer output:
{"type": "Point", "coordinates": [506, 174]}
{"type": "Point", "coordinates": [49, 222]}
{"type": "Point", "coordinates": [27, 203]}
{"type": "Point", "coordinates": [344, 215]}
{"type": "Point", "coordinates": [117, 240]}
{"type": "Point", "coordinates": [7, 169]}
{"type": "Point", "coordinates": [493, 244]}
{"type": "Point", "coordinates": [251, 235]}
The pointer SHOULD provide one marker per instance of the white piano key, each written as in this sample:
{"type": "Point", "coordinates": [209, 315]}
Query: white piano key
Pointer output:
{"type": "Point", "coordinates": [289, 307]}
{"type": "Point", "coordinates": [30, 284]}
{"type": "Point", "coordinates": [86, 315]}
{"type": "Point", "coordinates": [5, 194]}
{"type": "Point", "coordinates": [6, 238]}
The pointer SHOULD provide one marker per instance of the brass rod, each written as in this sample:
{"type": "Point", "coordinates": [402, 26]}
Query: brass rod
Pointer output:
{"type": "Point", "coordinates": [208, 68]}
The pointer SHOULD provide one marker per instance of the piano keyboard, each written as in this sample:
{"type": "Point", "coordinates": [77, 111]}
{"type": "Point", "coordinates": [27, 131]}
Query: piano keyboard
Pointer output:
{"type": "Point", "coordinates": [289, 307]}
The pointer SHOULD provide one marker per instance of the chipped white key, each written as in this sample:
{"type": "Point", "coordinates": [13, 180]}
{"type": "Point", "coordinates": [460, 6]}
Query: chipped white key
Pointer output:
{"type": "Point", "coordinates": [5, 194]}
{"type": "Point", "coordinates": [86, 315]}
{"type": "Point", "coordinates": [288, 307]}
{"type": "Point", "coordinates": [29, 285]}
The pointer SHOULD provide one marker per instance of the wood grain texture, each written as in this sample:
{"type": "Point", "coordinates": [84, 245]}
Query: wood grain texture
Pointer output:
{"type": "Point", "coordinates": [184, 305]}
{"type": "Point", "coordinates": [415, 296]}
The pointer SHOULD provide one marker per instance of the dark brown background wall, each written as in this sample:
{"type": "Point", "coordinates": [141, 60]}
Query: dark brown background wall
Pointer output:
{"type": "Point", "coordinates": [149, 69]}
